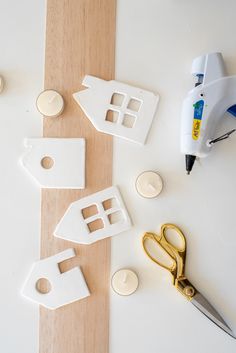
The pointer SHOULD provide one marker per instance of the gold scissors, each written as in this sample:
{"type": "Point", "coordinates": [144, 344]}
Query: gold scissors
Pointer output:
{"type": "Point", "coordinates": [177, 255]}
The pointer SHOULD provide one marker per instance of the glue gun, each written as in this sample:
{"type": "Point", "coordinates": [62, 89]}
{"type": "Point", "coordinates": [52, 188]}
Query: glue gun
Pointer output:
{"type": "Point", "coordinates": [214, 94]}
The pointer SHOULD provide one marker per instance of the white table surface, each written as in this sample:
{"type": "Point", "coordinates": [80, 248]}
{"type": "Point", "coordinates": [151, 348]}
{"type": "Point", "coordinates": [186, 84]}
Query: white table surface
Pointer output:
{"type": "Point", "coordinates": [156, 43]}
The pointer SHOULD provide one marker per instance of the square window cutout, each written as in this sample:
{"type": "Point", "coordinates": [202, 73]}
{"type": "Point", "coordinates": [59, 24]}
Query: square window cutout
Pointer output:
{"type": "Point", "coordinates": [129, 120]}
{"type": "Point", "coordinates": [117, 99]}
{"type": "Point", "coordinates": [89, 211]}
{"type": "Point", "coordinates": [115, 217]}
{"type": "Point", "coordinates": [95, 225]}
{"type": "Point", "coordinates": [112, 116]}
{"type": "Point", "coordinates": [107, 204]}
{"type": "Point", "coordinates": [134, 104]}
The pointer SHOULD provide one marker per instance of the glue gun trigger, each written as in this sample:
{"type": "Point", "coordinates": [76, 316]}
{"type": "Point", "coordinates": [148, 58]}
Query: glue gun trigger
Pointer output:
{"type": "Point", "coordinates": [222, 137]}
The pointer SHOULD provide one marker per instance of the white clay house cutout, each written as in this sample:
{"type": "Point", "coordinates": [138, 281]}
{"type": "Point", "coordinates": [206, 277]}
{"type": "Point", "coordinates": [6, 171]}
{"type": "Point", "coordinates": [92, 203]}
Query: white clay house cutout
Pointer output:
{"type": "Point", "coordinates": [56, 162]}
{"type": "Point", "coordinates": [117, 108]}
{"type": "Point", "coordinates": [94, 217]}
{"type": "Point", "coordinates": [61, 288]}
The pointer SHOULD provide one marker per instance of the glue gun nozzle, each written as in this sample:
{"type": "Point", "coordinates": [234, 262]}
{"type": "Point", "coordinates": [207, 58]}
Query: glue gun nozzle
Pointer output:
{"type": "Point", "coordinates": [189, 159]}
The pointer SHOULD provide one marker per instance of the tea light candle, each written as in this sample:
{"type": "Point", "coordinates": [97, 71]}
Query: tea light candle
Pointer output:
{"type": "Point", "coordinates": [1, 84]}
{"type": "Point", "coordinates": [149, 184]}
{"type": "Point", "coordinates": [124, 282]}
{"type": "Point", "coordinates": [50, 103]}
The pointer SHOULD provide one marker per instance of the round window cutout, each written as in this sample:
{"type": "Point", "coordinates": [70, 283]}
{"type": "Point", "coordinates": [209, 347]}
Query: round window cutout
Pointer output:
{"type": "Point", "coordinates": [43, 285]}
{"type": "Point", "coordinates": [47, 162]}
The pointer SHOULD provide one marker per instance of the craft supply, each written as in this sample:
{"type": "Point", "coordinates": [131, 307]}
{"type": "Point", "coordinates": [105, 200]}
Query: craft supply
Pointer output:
{"type": "Point", "coordinates": [177, 254]}
{"type": "Point", "coordinates": [94, 217]}
{"type": "Point", "coordinates": [50, 103]}
{"type": "Point", "coordinates": [205, 105]}
{"type": "Point", "coordinates": [124, 282]}
{"type": "Point", "coordinates": [117, 108]}
{"type": "Point", "coordinates": [1, 84]}
{"type": "Point", "coordinates": [56, 162]}
{"type": "Point", "coordinates": [62, 288]}
{"type": "Point", "coordinates": [149, 184]}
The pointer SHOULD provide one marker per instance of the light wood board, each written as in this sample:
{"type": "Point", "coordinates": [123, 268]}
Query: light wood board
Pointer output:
{"type": "Point", "coordinates": [80, 39]}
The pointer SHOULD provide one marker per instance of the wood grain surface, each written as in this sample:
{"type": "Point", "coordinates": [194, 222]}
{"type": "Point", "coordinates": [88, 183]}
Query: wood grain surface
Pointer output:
{"type": "Point", "coordinates": [80, 39]}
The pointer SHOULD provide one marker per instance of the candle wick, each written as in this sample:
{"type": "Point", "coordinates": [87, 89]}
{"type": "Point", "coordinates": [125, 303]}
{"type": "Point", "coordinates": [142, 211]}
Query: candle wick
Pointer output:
{"type": "Point", "coordinates": [151, 186]}
{"type": "Point", "coordinates": [125, 278]}
{"type": "Point", "coordinates": [52, 99]}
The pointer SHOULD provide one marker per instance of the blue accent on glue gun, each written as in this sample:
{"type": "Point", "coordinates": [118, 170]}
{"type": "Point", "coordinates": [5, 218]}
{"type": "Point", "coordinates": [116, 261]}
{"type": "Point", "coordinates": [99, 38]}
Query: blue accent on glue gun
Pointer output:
{"type": "Point", "coordinates": [232, 110]}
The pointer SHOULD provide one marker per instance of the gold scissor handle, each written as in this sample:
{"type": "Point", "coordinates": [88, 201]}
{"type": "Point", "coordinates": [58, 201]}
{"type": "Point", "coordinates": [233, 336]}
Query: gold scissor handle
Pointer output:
{"type": "Point", "coordinates": [156, 239]}
{"type": "Point", "coordinates": [175, 253]}
{"type": "Point", "coordinates": [164, 228]}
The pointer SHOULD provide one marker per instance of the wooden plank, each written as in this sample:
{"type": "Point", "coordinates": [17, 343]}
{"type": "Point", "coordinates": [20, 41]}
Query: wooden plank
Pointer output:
{"type": "Point", "coordinates": [80, 39]}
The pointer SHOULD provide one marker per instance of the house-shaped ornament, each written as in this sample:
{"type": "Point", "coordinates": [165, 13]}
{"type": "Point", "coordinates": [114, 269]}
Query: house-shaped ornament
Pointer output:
{"type": "Point", "coordinates": [117, 108]}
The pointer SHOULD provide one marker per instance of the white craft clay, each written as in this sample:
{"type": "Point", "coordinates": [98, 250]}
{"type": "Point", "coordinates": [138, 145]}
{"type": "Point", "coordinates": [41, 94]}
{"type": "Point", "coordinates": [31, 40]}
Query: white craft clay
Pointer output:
{"type": "Point", "coordinates": [117, 108]}
{"type": "Point", "coordinates": [76, 227]}
{"type": "Point", "coordinates": [66, 287]}
{"type": "Point", "coordinates": [67, 157]}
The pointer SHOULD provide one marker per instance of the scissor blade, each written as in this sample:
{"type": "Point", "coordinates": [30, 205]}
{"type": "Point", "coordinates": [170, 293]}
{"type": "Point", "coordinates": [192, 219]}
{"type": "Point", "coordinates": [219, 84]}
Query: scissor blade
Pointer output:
{"type": "Point", "coordinates": [202, 304]}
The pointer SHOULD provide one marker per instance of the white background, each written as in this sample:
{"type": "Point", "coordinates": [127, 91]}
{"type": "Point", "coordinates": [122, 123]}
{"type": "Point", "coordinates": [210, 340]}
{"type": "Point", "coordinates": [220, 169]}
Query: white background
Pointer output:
{"type": "Point", "coordinates": [156, 43]}
{"type": "Point", "coordinates": [22, 31]}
